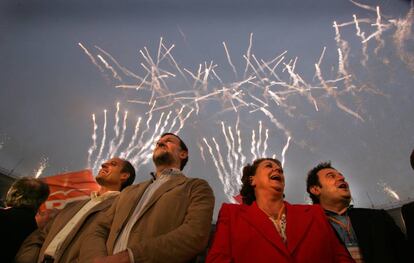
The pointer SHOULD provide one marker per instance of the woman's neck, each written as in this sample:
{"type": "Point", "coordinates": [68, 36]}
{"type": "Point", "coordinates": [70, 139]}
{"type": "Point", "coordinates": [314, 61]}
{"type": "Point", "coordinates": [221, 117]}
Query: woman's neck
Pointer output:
{"type": "Point", "coordinates": [271, 206]}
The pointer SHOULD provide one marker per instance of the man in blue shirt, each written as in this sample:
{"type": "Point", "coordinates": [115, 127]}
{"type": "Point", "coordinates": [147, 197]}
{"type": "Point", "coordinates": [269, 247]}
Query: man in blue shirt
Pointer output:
{"type": "Point", "coordinates": [370, 235]}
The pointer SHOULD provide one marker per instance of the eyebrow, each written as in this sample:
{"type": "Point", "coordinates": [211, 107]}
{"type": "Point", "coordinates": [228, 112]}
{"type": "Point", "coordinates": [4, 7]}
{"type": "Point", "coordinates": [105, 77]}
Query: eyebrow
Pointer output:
{"type": "Point", "coordinates": [270, 162]}
{"type": "Point", "coordinates": [171, 138]}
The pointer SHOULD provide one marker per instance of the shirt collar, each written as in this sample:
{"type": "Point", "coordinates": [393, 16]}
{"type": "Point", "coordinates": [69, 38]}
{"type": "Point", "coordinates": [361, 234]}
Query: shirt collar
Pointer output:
{"type": "Point", "coordinates": [99, 198]}
{"type": "Point", "coordinates": [166, 172]}
{"type": "Point", "coordinates": [332, 213]}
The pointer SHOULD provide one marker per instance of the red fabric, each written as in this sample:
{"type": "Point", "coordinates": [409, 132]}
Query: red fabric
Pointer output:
{"type": "Point", "coordinates": [66, 188]}
{"type": "Point", "coordinates": [245, 234]}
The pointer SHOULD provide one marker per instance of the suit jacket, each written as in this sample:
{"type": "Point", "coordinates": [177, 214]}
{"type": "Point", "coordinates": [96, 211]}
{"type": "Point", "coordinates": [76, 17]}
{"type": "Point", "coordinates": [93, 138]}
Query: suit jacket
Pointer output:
{"type": "Point", "coordinates": [245, 234]}
{"type": "Point", "coordinates": [407, 212]}
{"type": "Point", "coordinates": [35, 245]}
{"type": "Point", "coordinates": [379, 238]}
{"type": "Point", "coordinates": [173, 226]}
{"type": "Point", "coordinates": [16, 224]}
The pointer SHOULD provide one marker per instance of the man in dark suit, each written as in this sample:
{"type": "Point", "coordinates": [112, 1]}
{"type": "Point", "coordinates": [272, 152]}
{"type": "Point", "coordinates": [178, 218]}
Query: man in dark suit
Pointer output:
{"type": "Point", "coordinates": [370, 235]}
{"type": "Point", "coordinates": [407, 212]}
{"type": "Point", "coordinates": [17, 220]}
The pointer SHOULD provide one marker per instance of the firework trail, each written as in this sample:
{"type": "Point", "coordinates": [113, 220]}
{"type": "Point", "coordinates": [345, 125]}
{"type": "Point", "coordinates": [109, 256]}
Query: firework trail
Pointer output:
{"type": "Point", "coordinates": [140, 139]}
{"type": "Point", "coordinates": [260, 81]}
{"type": "Point", "coordinates": [229, 59]}
{"type": "Point", "coordinates": [121, 137]}
{"type": "Point", "coordinates": [285, 148]}
{"type": "Point", "coordinates": [94, 145]}
{"type": "Point", "coordinates": [361, 35]}
{"type": "Point", "coordinates": [116, 129]}
{"type": "Point", "coordinates": [403, 35]}
{"type": "Point", "coordinates": [99, 159]}
{"type": "Point", "coordinates": [91, 57]}
{"type": "Point", "coordinates": [389, 191]}
{"type": "Point", "coordinates": [229, 158]}
{"type": "Point", "coordinates": [42, 166]}
{"type": "Point", "coordinates": [114, 73]}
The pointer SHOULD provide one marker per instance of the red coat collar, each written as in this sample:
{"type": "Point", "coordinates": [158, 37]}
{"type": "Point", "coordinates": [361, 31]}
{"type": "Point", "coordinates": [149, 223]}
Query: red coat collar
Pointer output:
{"type": "Point", "coordinates": [298, 219]}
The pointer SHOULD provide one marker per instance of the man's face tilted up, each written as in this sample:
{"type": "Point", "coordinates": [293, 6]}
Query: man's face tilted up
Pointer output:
{"type": "Point", "coordinates": [111, 175]}
{"type": "Point", "coordinates": [168, 152]}
{"type": "Point", "coordinates": [333, 187]}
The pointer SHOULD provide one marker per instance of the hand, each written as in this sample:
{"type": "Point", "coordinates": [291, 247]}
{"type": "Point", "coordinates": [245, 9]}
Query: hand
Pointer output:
{"type": "Point", "coordinates": [121, 257]}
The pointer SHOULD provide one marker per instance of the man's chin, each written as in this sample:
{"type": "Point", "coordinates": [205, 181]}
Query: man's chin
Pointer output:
{"type": "Point", "coordinates": [100, 180]}
{"type": "Point", "coordinates": [347, 198]}
{"type": "Point", "coordinates": [164, 158]}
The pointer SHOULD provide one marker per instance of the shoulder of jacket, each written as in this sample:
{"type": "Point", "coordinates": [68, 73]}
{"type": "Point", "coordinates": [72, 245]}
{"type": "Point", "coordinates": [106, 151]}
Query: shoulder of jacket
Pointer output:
{"type": "Point", "coordinates": [303, 208]}
{"type": "Point", "coordinates": [231, 207]}
{"type": "Point", "coordinates": [367, 210]}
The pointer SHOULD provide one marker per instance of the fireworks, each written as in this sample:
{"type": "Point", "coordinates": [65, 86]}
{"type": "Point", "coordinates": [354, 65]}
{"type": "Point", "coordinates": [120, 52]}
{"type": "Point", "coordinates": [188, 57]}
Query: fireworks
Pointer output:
{"type": "Point", "coordinates": [230, 159]}
{"type": "Point", "coordinates": [42, 166]}
{"type": "Point", "coordinates": [389, 191]}
{"type": "Point", "coordinates": [135, 144]}
{"type": "Point", "coordinates": [266, 89]}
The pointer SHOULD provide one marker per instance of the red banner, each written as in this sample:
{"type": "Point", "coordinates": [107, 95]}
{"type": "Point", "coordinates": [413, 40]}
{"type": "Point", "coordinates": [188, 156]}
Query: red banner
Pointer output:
{"type": "Point", "coordinates": [66, 188]}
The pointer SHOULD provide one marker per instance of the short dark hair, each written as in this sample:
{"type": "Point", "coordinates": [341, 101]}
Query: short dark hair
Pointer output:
{"type": "Point", "coordinates": [183, 147]}
{"type": "Point", "coordinates": [28, 192]}
{"type": "Point", "coordinates": [313, 179]}
{"type": "Point", "coordinates": [128, 168]}
{"type": "Point", "coordinates": [247, 190]}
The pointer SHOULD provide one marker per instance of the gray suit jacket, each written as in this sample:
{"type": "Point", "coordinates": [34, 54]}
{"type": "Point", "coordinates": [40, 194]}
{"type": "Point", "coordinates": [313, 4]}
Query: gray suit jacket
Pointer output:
{"type": "Point", "coordinates": [33, 248]}
{"type": "Point", "coordinates": [174, 225]}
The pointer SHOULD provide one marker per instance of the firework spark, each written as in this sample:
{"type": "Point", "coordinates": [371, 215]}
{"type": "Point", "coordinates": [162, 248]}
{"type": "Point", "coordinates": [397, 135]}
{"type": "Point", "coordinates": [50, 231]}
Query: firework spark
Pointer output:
{"type": "Point", "coordinates": [389, 191]}
{"type": "Point", "coordinates": [42, 166]}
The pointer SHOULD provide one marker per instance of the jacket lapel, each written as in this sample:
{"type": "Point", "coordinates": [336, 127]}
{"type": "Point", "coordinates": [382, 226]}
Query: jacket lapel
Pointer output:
{"type": "Point", "coordinates": [165, 187]}
{"type": "Point", "coordinates": [64, 216]}
{"type": "Point", "coordinates": [125, 206]}
{"type": "Point", "coordinates": [132, 200]}
{"type": "Point", "coordinates": [75, 231]}
{"type": "Point", "coordinates": [262, 224]}
{"type": "Point", "coordinates": [299, 220]}
{"type": "Point", "coordinates": [59, 222]}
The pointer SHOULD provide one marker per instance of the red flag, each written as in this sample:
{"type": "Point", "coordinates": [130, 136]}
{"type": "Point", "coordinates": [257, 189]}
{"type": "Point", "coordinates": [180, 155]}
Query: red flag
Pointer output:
{"type": "Point", "coordinates": [66, 188]}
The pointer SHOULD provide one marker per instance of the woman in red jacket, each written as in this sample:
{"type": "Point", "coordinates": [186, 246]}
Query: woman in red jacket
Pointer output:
{"type": "Point", "coordinates": [265, 228]}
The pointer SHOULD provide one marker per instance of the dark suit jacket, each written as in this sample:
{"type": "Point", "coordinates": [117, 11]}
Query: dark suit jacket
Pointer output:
{"type": "Point", "coordinates": [379, 238]}
{"type": "Point", "coordinates": [245, 234]}
{"type": "Point", "coordinates": [15, 225]}
{"type": "Point", "coordinates": [33, 248]}
{"type": "Point", "coordinates": [173, 226]}
{"type": "Point", "coordinates": [407, 211]}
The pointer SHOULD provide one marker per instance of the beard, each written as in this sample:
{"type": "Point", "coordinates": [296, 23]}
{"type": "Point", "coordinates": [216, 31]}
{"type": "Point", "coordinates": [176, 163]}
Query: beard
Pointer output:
{"type": "Point", "coordinates": [164, 158]}
{"type": "Point", "coordinates": [100, 180]}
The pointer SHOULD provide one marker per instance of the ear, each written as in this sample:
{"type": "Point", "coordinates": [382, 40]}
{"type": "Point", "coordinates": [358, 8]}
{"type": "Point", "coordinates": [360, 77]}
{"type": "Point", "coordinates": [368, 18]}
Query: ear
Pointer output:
{"type": "Point", "coordinates": [315, 190]}
{"type": "Point", "coordinates": [124, 177]}
{"type": "Point", "coordinates": [183, 154]}
{"type": "Point", "coordinates": [253, 180]}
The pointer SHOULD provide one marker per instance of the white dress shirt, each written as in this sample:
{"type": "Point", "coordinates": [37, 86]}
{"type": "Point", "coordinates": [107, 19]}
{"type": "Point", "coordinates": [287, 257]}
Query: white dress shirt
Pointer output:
{"type": "Point", "coordinates": [78, 218]}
